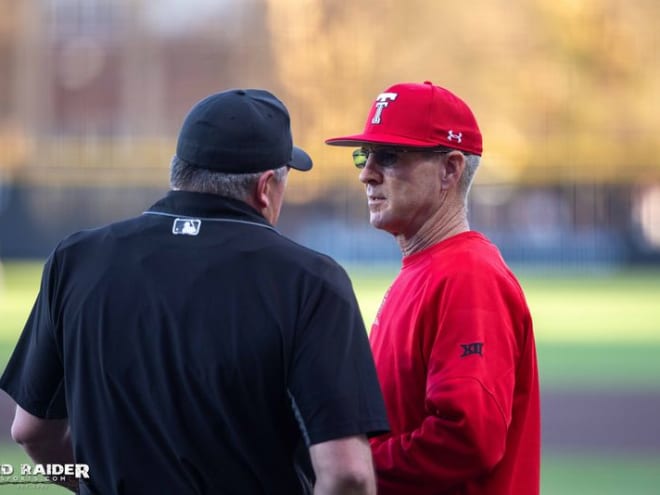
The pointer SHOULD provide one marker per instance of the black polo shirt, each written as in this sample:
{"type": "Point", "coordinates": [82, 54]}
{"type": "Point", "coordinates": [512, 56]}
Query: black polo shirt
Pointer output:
{"type": "Point", "coordinates": [193, 349]}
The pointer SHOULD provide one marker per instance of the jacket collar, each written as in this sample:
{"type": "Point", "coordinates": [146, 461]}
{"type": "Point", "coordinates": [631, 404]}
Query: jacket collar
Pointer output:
{"type": "Point", "coordinates": [203, 205]}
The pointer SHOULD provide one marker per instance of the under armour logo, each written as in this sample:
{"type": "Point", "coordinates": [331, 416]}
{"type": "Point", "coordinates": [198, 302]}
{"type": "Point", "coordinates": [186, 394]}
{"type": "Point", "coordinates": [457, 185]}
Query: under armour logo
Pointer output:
{"type": "Point", "coordinates": [186, 226]}
{"type": "Point", "coordinates": [458, 136]}
{"type": "Point", "coordinates": [382, 101]}
{"type": "Point", "coordinates": [473, 348]}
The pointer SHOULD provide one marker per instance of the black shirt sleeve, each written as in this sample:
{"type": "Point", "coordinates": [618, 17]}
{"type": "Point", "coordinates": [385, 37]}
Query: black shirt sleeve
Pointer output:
{"type": "Point", "coordinates": [34, 376]}
{"type": "Point", "coordinates": [333, 384]}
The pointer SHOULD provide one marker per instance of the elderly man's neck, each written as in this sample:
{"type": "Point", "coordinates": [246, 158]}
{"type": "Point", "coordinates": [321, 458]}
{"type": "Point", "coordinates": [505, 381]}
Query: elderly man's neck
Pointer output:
{"type": "Point", "coordinates": [436, 229]}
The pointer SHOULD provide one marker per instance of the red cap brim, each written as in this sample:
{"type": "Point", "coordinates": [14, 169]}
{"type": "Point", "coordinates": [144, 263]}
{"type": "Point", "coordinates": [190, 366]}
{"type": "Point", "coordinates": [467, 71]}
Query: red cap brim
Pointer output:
{"type": "Point", "coordinates": [377, 138]}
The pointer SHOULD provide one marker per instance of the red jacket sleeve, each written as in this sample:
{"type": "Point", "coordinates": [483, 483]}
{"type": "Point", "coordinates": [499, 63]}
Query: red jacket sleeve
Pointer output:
{"type": "Point", "coordinates": [469, 344]}
{"type": "Point", "coordinates": [454, 442]}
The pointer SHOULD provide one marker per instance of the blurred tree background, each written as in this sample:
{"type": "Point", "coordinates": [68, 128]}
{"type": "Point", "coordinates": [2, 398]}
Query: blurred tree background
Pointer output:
{"type": "Point", "coordinates": [92, 93]}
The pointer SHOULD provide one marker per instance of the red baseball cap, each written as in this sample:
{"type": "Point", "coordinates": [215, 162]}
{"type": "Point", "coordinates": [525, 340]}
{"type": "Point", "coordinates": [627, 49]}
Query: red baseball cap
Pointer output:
{"type": "Point", "coordinates": [420, 116]}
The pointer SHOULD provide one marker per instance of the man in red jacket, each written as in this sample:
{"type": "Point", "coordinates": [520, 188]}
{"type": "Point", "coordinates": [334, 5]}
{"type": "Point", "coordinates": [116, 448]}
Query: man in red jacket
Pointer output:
{"type": "Point", "coordinates": [453, 339]}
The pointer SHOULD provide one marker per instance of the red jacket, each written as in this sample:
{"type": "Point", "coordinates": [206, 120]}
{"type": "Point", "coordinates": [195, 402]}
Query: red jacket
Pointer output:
{"type": "Point", "coordinates": [456, 358]}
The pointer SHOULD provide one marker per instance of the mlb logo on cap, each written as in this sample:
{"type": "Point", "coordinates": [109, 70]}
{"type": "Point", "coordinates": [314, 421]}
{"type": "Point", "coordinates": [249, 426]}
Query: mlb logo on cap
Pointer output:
{"type": "Point", "coordinates": [418, 116]}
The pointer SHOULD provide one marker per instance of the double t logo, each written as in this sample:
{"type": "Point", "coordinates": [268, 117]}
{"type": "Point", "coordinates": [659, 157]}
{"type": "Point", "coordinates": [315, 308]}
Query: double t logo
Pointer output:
{"type": "Point", "coordinates": [382, 101]}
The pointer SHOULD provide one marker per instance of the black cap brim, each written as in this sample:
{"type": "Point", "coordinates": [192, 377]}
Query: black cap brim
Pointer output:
{"type": "Point", "coordinates": [300, 160]}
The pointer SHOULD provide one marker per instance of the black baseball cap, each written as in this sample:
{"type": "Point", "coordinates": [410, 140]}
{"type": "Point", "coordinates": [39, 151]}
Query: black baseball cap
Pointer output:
{"type": "Point", "coordinates": [240, 131]}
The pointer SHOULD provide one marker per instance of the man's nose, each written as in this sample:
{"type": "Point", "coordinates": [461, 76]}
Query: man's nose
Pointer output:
{"type": "Point", "coordinates": [371, 172]}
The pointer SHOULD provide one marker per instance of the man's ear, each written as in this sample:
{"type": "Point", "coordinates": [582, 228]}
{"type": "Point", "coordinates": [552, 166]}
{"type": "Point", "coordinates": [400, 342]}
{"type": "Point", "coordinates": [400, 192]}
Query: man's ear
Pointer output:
{"type": "Point", "coordinates": [261, 194]}
{"type": "Point", "coordinates": [454, 166]}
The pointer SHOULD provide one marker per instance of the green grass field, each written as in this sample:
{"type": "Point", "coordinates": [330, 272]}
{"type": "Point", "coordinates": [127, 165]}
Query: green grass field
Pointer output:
{"type": "Point", "coordinates": [598, 331]}
{"type": "Point", "coordinates": [611, 307]}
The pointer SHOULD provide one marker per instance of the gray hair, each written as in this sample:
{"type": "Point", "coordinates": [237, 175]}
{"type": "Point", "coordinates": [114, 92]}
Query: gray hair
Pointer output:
{"type": "Point", "coordinates": [187, 177]}
{"type": "Point", "coordinates": [471, 165]}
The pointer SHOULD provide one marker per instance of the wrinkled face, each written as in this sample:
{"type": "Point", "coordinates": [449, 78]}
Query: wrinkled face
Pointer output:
{"type": "Point", "coordinates": [403, 188]}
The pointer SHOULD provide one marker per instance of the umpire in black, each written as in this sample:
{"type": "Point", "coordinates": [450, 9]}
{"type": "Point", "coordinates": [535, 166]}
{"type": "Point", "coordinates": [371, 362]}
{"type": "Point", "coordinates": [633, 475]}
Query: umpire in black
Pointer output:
{"type": "Point", "coordinates": [194, 349]}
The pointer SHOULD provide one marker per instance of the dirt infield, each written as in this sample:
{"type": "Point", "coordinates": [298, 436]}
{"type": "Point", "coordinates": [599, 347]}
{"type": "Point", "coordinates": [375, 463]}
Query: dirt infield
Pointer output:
{"type": "Point", "coordinates": [573, 421]}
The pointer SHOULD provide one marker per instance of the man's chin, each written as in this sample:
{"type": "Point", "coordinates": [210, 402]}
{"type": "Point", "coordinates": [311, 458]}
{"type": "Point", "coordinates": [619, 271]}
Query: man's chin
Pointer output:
{"type": "Point", "coordinates": [378, 222]}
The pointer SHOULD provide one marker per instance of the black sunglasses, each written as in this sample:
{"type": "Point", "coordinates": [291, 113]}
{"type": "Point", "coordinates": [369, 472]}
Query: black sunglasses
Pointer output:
{"type": "Point", "coordinates": [387, 157]}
